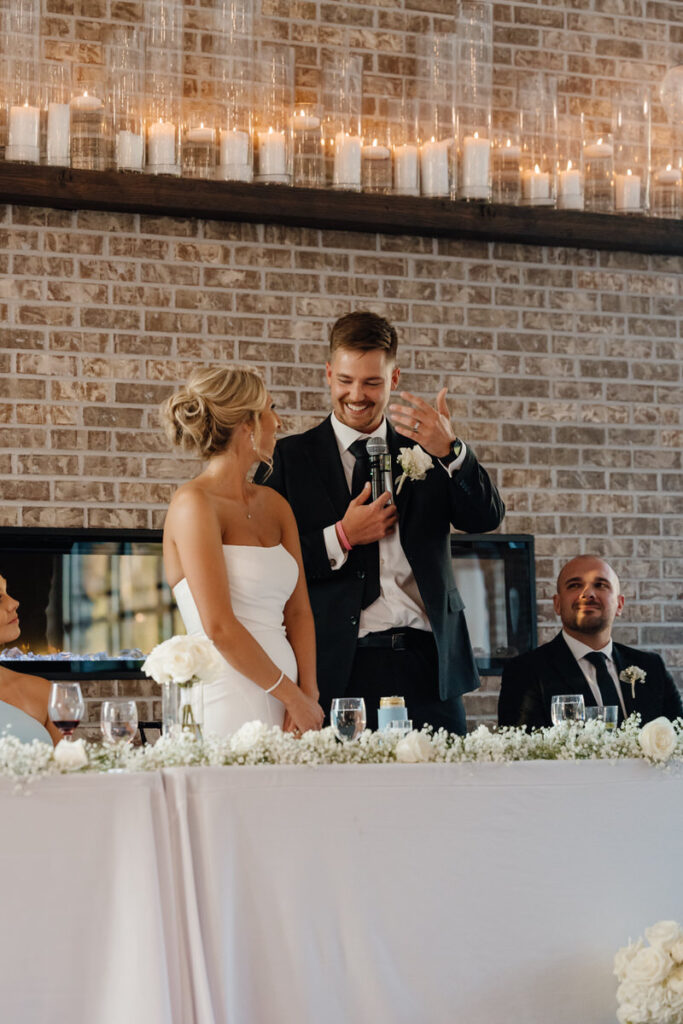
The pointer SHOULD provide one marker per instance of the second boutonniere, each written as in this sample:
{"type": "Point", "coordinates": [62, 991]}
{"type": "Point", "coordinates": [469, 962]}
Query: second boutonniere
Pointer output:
{"type": "Point", "coordinates": [415, 464]}
{"type": "Point", "coordinates": [633, 674]}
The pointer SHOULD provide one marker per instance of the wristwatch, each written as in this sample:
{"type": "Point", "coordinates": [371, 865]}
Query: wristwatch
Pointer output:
{"type": "Point", "coordinates": [456, 448]}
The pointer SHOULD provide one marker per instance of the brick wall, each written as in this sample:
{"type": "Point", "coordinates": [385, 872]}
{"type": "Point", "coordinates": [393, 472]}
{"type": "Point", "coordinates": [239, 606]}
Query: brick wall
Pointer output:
{"type": "Point", "coordinates": [563, 365]}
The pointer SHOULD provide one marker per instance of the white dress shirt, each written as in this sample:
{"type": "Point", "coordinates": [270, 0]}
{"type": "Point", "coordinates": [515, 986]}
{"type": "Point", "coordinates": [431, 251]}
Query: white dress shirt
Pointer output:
{"type": "Point", "coordinates": [579, 649]}
{"type": "Point", "coordinates": [399, 603]}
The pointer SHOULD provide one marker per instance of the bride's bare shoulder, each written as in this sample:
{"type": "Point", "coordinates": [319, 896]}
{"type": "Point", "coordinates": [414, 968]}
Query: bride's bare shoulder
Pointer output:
{"type": "Point", "coordinates": [191, 499]}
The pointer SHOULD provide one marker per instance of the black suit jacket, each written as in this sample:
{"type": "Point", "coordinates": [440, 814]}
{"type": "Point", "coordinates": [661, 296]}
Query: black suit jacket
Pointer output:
{"type": "Point", "coordinates": [530, 680]}
{"type": "Point", "coordinates": [308, 472]}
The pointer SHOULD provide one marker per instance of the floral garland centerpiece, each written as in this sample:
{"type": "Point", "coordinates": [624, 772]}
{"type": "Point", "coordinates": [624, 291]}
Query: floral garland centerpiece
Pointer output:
{"type": "Point", "coordinates": [651, 977]}
{"type": "Point", "coordinates": [181, 662]}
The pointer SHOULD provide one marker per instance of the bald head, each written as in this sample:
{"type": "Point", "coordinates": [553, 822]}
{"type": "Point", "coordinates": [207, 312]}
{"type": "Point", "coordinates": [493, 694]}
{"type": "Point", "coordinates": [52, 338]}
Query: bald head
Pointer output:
{"type": "Point", "coordinates": [588, 599]}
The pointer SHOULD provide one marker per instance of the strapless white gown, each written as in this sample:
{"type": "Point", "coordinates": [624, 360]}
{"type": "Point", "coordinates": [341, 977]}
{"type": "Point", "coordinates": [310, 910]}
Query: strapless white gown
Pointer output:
{"type": "Point", "coordinates": [261, 581]}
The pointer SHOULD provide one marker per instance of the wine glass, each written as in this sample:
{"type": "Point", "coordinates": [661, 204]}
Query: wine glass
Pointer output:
{"type": "Point", "coordinates": [348, 717]}
{"type": "Point", "coordinates": [567, 707]}
{"type": "Point", "coordinates": [118, 721]}
{"type": "Point", "coordinates": [66, 707]}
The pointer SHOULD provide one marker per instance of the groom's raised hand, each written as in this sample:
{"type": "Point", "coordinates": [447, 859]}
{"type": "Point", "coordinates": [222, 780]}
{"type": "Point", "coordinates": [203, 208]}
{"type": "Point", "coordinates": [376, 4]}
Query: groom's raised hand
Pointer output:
{"type": "Point", "coordinates": [429, 425]}
{"type": "Point", "coordinates": [365, 523]}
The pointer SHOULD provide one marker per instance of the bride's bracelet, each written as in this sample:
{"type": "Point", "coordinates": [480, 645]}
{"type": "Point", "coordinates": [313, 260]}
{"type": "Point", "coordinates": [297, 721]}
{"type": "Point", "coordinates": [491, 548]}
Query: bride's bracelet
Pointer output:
{"type": "Point", "coordinates": [281, 677]}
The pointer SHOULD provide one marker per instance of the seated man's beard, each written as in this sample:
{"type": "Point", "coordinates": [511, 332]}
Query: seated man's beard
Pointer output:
{"type": "Point", "coordinates": [593, 625]}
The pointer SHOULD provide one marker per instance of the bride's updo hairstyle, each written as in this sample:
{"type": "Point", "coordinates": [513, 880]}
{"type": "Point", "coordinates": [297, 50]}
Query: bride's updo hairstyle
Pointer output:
{"type": "Point", "coordinates": [203, 415]}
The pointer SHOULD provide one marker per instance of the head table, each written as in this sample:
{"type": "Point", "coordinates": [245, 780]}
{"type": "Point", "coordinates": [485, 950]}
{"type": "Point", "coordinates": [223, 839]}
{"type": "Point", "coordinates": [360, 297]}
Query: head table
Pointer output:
{"type": "Point", "coordinates": [386, 894]}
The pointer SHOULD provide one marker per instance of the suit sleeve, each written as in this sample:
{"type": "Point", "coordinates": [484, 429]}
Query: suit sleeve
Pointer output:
{"type": "Point", "coordinates": [313, 550]}
{"type": "Point", "coordinates": [521, 701]}
{"type": "Point", "coordinates": [475, 504]}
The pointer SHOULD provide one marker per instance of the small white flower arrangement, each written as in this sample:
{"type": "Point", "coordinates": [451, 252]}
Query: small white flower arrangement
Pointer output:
{"type": "Point", "coordinates": [632, 675]}
{"type": "Point", "coordinates": [184, 660]}
{"type": "Point", "coordinates": [415, 464]}
{"type": "Point", "coordinates": [651, 977]}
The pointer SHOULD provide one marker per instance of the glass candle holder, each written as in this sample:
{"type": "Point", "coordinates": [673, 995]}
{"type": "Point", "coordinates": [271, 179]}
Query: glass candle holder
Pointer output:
{"type": "Point", "coordinates": [671, 94]}
{"type": "Point", "coordinates": [199, 143]}
{"type": "Point", "coordinates": [473, 72]}
{"type": "Point", "coordinates": [57, 103]}
{"type": "Point", "coordinates": [569, 176]}
{"type": "Point", "coordinates": [273, 132]}
{"type": "Point", "coordinates": [125, 56]}
{"type": "Point", "coordinates": [342, 102]}
{"type": "Point", "coordinates": [163, 85]}
{"type": "Point", "coordinates": [667, 183]}
{"type": "Point", "coordinates": [90, 128]}
{"type": "Point", "coordinates": [597, 164]}
{"type": "Point", "coordinates": [506, 156]}
{"type": "Point", "coordinates": [376, 169]}
{"type": "Point", "coordinates": [233, 47]}
{"type": "Point", "coordinates": [435, 87]}
{"type": "Point", "coordinates": [404, 146]}
{"type": "Point", "coordinates": [632, 150]}
{"type": "Point", "coordinates": [537, 101]}
{"type": "Point", "coordinates": [308, 158]}
{"type": "Point", "coordinates": [23, 98]}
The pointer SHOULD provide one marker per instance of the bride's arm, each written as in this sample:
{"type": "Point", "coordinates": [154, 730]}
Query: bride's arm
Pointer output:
{"type": "Point", "coordinates": [192, 527]}
{"type": "Point", "coordinates": [299, 624]}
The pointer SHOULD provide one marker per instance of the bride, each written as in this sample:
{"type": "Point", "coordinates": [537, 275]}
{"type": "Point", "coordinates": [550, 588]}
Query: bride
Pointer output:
{"type": "Point", "coordinates": [233, 558]}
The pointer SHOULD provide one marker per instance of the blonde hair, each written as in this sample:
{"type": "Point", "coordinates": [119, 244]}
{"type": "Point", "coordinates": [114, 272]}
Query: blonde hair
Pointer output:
{"type": "Point", "coordinates": [203, 415]}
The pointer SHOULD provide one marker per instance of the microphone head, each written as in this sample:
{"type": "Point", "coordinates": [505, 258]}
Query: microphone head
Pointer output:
{"type": "Point", "coordinates": [377, 446]}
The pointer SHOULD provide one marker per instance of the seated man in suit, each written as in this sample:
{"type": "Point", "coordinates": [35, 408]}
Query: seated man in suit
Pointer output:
{"type": "Point", "coordinates": [584, 659]}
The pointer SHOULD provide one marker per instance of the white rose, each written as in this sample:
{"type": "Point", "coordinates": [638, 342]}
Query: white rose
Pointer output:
{"type": "Point", "coordinates": [247, 736]}
{"type": "Point", "coordinates": [649, 966]}
{"type": "Point", "coordinates": [658, 739]}
{"type": "Point", "coordinates": [180, 658]}
{"type": "Point", "coordinates": [677, 951]}
{"type": "Point", "coordinates": [675, 980]}
{"type": "Point", "coordinates": [624, 956]}
{"type": "Point", "coordinates": [70, 755]}
{"type": "Point", "coordinates": [663, 934]}
{"type": "Point", "coordinates": [629, 1013]}
{"type": "Point", "coordinates": [414, 747]}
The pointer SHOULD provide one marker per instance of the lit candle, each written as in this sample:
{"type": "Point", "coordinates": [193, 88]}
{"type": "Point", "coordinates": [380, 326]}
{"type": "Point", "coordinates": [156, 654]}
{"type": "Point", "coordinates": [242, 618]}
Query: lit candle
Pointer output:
{"type": "Point", "coordinates": [598, 150]}
{"type": "Point", "coordinates": [536, 186]}
{"type": "Point", "coordinates": [234, 156]}
{"type": "Point", "coordinates": [304, 122]}
{"type": "Point", "coordinates": [24, 128]}
{"type": "Point", "coordinates": [272, 158]}
{"type": "Point", "coordinates": [201, 135]}
{"type": "Point", "coordinates": [669, 176]}
{"type": "Point", "coordinates": [570, 189]}
{"type": "Point", "coordinates": [475, 167]}
{"type": "Point", "coordinates": [405, 170]}
{"type": "Point", "coordinates": [508, 151]}
{"type": "Point", "coordinates": [86, 104]}
{"type": "Point", "coordinates": [375, 152]}
{"type": "Point", "coordinates": [58, 123]}
{"type": "Point", "coordinates": [129, 151]}
{"type": "Point", "coordinates": [347, 154]}
{"type": "Point", "coordinates": [161, 144]}
{"type": "Point", "coordinates": [627, 191]}
{"type": "Point", "coordinates": [434, 167]}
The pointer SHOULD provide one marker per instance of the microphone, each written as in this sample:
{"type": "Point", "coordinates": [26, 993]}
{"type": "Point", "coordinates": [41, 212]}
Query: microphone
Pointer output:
{"type": "Point", "coordinates": [380, 467]}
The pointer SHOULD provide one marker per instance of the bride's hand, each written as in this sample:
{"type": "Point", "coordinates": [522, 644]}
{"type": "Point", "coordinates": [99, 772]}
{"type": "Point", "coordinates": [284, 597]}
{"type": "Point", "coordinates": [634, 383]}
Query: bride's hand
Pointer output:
{"type": "Point", "coordinates": [302, 713]}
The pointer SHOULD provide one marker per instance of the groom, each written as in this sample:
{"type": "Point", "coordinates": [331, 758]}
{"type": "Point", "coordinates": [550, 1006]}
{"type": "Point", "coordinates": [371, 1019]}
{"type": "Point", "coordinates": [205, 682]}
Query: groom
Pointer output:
{"type": "Point", "coordinates": [389, 619]}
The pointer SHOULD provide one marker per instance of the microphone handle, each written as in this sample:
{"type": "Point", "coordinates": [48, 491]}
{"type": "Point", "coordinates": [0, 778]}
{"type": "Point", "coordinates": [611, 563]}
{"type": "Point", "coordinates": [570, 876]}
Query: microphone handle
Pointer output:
{"type": "Point", "coordinates": [380, 475]}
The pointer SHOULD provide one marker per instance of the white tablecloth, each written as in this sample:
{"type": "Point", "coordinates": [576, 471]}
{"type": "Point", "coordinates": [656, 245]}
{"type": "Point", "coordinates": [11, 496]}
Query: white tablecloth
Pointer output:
{"type": "Point", "coordinates": [422, 894]}
{"type": "Point", "coordinates": [89, 929]}
{"type": "Point", "coordinates": [391, 894]}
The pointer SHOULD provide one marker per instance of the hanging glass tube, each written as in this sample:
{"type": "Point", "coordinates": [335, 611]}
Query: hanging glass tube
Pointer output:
{"type": "Point", "coordinates": [21, 63]}
{"type": "Point", "coordinates": [125, 59]}
{"type": "Point", "coordinates": [474, 82]}
{"type": "Point", "coordinates": [342, 104]}
{"type": "Point", "coordinates": [435, 89]}
{"type": "Point", "coordinates": [234, 76]}
{"type": "Point", "coordinates": [163, 85]}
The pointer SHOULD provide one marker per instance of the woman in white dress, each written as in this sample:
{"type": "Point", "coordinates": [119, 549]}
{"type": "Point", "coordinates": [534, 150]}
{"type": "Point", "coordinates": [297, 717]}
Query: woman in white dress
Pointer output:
{"type": "Point", "coordinates": [233, 558]}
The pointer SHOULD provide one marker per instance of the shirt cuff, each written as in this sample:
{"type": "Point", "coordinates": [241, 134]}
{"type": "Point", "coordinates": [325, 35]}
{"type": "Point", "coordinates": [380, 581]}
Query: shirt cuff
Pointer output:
{"type": "Point", "coordinates": [454, 466]}
{"type": "Point", "coordinates": [335, 552]}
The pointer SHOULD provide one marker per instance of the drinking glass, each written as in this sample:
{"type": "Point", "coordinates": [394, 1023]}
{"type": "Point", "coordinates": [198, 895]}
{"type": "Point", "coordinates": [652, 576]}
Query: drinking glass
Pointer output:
{"type": "Point", "coordinates": [119, 721]}
{"type": "Point", "coordinates": [66, 707]}
{"type": "Point", "coordinates": [400, 726]}
{"type": "Point", "coordinates": [348, 717]}
{"type": "Point", "coordinates": [609, 714]}
{"type": "Point", "coordinates": [567, 707]}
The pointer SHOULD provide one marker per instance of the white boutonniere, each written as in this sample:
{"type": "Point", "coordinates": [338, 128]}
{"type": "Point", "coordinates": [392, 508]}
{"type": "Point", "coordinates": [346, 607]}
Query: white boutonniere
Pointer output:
{"type": "Point", "coordinates": [415, 464]}
{"type": "Point", "coordinates": [633, 675]}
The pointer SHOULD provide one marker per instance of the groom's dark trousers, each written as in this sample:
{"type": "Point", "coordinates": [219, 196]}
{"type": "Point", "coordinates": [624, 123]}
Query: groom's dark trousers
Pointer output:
{"type": "Point", "coordinates": [434, 670]}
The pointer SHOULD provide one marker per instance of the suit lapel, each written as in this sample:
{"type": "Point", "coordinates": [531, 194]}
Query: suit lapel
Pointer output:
{"type": "Point", "coordinates": [395, 442]}
{"type": "Point", "coordinates": [328, 465]}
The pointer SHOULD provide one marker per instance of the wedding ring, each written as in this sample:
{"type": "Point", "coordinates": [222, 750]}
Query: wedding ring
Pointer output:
{"type": "Point", "coordinates": [416, 426]}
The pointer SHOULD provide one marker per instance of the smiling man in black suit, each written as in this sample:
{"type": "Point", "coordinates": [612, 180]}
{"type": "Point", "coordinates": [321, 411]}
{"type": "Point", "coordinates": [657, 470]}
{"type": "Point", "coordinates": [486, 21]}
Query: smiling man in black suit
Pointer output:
{"type": "Point", "coordinates": [389, 618]}
{"type": "Point", "coordinates": [584, 659]}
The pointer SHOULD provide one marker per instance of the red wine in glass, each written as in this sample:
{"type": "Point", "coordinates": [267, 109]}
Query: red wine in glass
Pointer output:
{"type": "Point", "coordinates": [66, 727]}
{"type": "Point", "coordinates": [66, 707]}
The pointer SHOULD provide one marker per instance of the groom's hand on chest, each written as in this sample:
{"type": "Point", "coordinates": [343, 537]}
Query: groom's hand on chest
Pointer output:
{"type": "Point", "coordinates": [366, 521]}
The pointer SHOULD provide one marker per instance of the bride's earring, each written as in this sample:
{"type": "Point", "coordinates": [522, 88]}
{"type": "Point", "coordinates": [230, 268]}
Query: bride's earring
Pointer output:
{"type": "Point", "coordinates": [252, 438]}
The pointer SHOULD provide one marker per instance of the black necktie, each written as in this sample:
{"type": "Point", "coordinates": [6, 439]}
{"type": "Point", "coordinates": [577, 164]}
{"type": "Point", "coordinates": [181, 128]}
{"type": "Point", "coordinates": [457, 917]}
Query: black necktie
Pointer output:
{"type": "Point", "coordinates": [608, 690]}
{"type": "Point", "coordinates": [369, 552]}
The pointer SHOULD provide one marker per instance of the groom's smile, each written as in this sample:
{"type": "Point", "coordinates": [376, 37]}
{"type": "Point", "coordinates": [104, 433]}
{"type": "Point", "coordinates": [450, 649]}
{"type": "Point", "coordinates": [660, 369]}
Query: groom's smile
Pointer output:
{"type": "Point", "coordinates": [360, 386]}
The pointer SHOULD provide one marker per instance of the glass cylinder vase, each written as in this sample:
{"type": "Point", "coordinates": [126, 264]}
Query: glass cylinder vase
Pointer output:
{"type": "Point", "coordinates": [435, 90]}
{"type": "Point", "coordinates": [376, 157]}
{"type": "Point", "coordinates": [22, 84]}
{"type": "Point", "coordinates": [163, 85]}
{"type": "Point", "coordinates": [272, 120]}
{"type": "Point", "coordinates": [405, 151]}
{"type": "Point", "coordinates": [597, 163]}
{"type": "Point", "coordinates": [56, 77]}
{"type": "Point", "coordinates": [199, 140]}
{"type": "Point", "coordinates": [569, 176]}
{"type": "Point", "coordinates": [233, 47]}
{"type": "Point", "coordinates": [308, 158]}
{"type": "Point", "coordinates": [90, 127]}
{"type": "Point", "coordinates": [170, 708]}
{"type": "Point", "coordinates": [632, 149]}
{"type": "Point", "coordinates": [667, 182]}
{"type": "Point", "coordinates": [474, 82]}
{"type": "Point", "coordinates": [506, 156]}
{"type": "Point", "coordinates": [342, 102]}
{"type": "Point", "coordinates": [537, 99]}
{"type": "Point", "coordinates": [125, 55]}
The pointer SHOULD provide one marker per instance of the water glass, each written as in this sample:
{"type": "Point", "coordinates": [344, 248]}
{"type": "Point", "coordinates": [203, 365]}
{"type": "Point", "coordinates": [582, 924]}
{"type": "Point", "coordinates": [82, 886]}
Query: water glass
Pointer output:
{"type": "Point", "coordinates": [348, 717]}
{"type": "Point", "coordinates": [400, 726]}
{"type": "Point", "coordinates": [66, 707]}
{"type": "Point", "coordinates": [567, 707]}
{"type": "Point", "coordinates": [118, 721]}
{"type": "Point", "coordinates": [608, 714]}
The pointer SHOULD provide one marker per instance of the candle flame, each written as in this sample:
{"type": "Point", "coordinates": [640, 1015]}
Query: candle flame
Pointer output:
{"type": "Point", "coordinates": [537, 169]}
{"type": "Point", "coordinates": [599, 142]}
{"type": "Point", "coordinates": [507, 144]}
{"type": "Point", "coordinates": [629, 172]}
{"type": "Point", "coordinates": [476, 135]}
{"type": "Point", "coordinates": [668, 167]}
{"type": "Point", "coordinates": [569, 165]}
{"type": "Point", "coordinates": [374, 142]}
{"type": "Point", "coordinates": [433, 139]}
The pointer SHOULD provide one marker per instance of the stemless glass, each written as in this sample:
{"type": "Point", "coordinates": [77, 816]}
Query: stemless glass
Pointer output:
{"type": "Point", "coordinates": [66, 707]}
{"type": "Point", "coordinates": [609, 714]}
{"type": "Point", "coordinates": [348, 717]}
{"type": "Point", "coordinates": [119, 721]}
{"type": "Point", "coordinates": [567, 707]}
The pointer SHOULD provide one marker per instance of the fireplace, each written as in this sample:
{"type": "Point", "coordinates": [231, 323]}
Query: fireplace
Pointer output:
{"type": "Point", "coordinates": [94, 602]}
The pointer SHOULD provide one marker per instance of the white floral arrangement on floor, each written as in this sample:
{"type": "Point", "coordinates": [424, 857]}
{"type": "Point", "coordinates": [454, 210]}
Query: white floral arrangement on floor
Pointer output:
{"type": "Point", "coordinates": [651, 977]}
{"type": "Point", "coordinates": [659, 741]}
